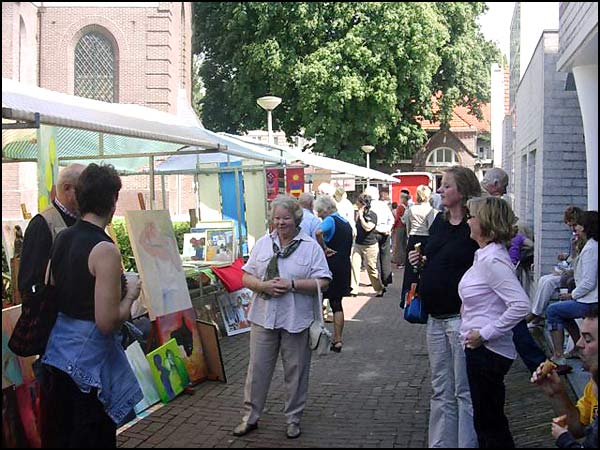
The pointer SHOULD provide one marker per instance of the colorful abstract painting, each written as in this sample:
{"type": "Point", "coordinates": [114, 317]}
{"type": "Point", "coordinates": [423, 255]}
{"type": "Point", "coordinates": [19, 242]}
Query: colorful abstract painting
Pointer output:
{"type": "Point", "coordinates": [181, 326]}
{"type": "Point", "coordinates": [168, 370]}
{"type": "Point", "coordinates": [158, 262]}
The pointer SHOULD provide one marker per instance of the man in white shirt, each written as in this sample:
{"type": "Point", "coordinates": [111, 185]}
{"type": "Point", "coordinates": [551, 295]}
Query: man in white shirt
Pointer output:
{"type": "Point", "coordinates": [345, 207]}
{"type": "Point", "coordinates": [385, 222]}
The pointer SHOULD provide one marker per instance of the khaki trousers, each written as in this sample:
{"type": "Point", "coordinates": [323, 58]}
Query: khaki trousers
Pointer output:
{"type": "Point", "coordinates": [370, 253]}
{"type": "Point", "coordinates": [265, 346]}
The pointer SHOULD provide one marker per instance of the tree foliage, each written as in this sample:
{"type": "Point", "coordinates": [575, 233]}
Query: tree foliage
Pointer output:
{"type": "Point", "coordinates": [348, 73]}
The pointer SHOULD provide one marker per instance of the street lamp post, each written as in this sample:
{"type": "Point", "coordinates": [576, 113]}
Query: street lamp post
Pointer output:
{"type": "Point", "coordinates": [368, 149]}
{"type": "Point", "coordinates": [269, 103]}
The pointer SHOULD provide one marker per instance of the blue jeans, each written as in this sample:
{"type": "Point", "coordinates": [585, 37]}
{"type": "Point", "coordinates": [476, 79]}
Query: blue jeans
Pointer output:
{"type": "Point", "coordinates": [559, 313]}
{"type": "Point", "coordinates": [451, 416]}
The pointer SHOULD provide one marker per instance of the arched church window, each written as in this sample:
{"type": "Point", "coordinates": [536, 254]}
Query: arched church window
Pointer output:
{"type": "Point", "coordinates": [443, 156]}
{"type": "Point", "coordinates": [95, 67]}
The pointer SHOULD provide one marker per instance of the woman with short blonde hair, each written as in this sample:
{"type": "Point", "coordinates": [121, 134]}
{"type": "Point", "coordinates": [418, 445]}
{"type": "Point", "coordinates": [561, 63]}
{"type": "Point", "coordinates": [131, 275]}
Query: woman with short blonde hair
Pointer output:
{"type": "Point", "coordinates": [493, 303]}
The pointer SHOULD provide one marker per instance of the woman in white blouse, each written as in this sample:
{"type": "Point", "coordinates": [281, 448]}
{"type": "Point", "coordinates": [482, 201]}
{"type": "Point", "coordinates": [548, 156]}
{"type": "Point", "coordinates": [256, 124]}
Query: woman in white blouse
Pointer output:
{"type": "Point", "coordinates": [283, 271]}
{"type": "Point", "coordinates": [577, 303]}
{"type": "Point", "coordinates": [493, 303]}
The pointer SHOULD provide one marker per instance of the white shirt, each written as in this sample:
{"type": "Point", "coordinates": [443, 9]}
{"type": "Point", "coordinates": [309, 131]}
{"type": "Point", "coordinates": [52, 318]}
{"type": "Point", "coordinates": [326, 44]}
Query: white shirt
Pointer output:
{"type": "Point", "coordinates": [586, 274]}
{"type": "Point", "coordinates": [418, 219]}
{"type": "Point", "coordinates": [345, 209]}
{"type": "Point", "coordinates": [385, 218]}
{"type": "Point", "coordinates": [293, 311]}
{"type": "Point", "coordinates": [493, 299]}
{"type": "Point", "coordinates": [310, 223]}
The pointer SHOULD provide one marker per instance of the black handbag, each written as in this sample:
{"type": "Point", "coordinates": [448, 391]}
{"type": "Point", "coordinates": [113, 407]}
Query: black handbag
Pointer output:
{"type": "Point", "coordinates": [39, 310]}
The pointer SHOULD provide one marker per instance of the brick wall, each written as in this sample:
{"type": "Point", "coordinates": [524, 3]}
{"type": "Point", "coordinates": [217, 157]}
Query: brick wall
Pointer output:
{"type": "Point", "coordinates": [153, 53]}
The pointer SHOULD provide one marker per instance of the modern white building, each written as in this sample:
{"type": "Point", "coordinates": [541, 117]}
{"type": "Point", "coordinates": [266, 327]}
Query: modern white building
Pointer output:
{"type": "Point", "coordinates": [578, 55]}
{"type": "Point", "coordinates": [544, 150]}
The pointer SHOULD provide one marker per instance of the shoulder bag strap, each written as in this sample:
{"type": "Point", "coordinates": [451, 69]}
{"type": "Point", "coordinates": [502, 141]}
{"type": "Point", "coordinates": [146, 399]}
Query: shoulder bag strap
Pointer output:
{"type": "Point", "coordinates": [318, 305]}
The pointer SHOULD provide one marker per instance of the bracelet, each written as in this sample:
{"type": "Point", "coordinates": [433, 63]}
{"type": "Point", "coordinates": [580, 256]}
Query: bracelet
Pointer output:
{"type": "Point", "coordinates": [293, 286]}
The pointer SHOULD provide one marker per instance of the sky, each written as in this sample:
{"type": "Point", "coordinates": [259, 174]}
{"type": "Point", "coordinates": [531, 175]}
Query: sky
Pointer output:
{"type": "Point", "coordinates": [495, 24]}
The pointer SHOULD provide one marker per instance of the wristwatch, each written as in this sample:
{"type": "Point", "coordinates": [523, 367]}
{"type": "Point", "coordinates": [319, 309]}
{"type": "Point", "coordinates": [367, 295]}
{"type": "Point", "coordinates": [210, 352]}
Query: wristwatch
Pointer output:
{"type": "Point", "coordinates": [293, 286]}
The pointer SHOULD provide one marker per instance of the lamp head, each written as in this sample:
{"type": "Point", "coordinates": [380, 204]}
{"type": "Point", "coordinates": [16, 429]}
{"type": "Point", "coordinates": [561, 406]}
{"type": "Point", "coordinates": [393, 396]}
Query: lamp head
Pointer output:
{"type": "Point", "coordinates": [367, 148]}
{"type": "Point", "coordinates": [269, 102]}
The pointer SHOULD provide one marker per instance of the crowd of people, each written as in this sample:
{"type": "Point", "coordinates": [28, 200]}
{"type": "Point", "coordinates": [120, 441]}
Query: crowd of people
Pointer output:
{"type": "Point", "coordinates": [459, 245]}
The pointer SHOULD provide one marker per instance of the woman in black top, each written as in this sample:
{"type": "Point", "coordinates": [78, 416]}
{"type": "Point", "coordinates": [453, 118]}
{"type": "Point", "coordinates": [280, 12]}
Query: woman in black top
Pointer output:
{"type": "Point", "coordinates": [88, 371]}
{"type": "Point", "coordinates": [447, 255]}
{"type": "Point", "coordinates": [336, 233]}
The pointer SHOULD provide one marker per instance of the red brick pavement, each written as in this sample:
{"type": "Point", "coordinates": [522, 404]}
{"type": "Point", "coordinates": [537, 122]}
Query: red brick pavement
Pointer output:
{"type": "Point", "coordinates": [375, 393]}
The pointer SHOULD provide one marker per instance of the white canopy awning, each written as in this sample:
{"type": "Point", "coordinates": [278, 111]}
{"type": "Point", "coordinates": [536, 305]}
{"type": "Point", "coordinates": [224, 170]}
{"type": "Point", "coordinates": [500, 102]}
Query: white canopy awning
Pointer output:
{"type": "Point", "coordinates": [323, 162]}
{"type": "Point", "coordinates": [130, 129]}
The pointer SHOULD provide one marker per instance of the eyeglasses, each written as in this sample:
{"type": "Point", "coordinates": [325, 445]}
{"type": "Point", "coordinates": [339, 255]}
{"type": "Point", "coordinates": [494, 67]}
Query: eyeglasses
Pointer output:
{"type": "Point", "coordinates": [468, 214]}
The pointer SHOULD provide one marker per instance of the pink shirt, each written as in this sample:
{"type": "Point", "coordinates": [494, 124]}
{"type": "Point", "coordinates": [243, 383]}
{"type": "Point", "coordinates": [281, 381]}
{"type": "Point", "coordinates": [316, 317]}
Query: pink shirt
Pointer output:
{"type": "Point", "coordinates": [493, 299]}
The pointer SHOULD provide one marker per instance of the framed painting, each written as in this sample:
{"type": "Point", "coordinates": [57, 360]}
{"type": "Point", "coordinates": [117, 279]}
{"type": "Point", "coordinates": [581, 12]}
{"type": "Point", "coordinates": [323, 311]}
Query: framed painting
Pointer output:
{"type": "Point", "coordinates": [168, 370]}
{"type": "Point", "coordinates": [194, 246]}
{"type": "Point", "coordinates": [181, 326]}
{"type": "Point", "coordinates": [235, 307]}
{"type": "Point", "coordinates": [220, 245]}
{"type": "Point", "coordinates": [158, 261]}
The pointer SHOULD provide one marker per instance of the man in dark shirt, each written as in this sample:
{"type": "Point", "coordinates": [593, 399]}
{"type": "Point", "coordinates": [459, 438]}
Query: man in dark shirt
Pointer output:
{"type": "Point", "coordinates": [32, 271]}
{"type": "Point", "coordinates": [38, 237]}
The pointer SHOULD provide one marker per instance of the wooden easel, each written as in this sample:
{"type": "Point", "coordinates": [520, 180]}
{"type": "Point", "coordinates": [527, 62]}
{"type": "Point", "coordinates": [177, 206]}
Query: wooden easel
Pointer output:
{"type": "Point", "coordinates": [26, 214]}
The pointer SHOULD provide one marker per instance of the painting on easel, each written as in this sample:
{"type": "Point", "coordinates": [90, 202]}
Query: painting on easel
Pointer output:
{"type": "Point", "coordinates": [158, 261]}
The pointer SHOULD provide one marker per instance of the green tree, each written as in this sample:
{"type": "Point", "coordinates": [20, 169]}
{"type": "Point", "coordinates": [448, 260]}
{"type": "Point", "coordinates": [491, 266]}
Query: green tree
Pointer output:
{"type": "Point", "coordinates": [348, 73]}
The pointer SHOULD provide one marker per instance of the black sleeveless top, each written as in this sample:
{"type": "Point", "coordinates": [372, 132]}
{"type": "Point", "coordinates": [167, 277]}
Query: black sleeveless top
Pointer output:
{"type": "Point", "coordinates": [339, 264]}
{"type": "Point", "coordinates": [74, 283]}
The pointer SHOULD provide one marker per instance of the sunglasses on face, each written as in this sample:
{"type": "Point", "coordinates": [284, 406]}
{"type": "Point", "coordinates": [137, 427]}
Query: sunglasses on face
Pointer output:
{"type": "Point", "coordinates": [468, 214]}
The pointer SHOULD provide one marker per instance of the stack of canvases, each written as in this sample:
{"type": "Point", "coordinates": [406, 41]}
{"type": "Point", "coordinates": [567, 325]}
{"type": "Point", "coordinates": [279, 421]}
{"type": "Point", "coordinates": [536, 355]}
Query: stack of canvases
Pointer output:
{"type": "Point", "coordinates": [181, 357]}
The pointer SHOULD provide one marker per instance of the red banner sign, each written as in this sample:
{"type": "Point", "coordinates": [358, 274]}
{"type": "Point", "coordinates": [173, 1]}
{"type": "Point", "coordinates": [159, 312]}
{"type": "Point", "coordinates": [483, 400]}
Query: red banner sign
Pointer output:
{"type": "Point", "coordinates": [294, 180]}
{"type": "Point", "coordinates": [272, 183]}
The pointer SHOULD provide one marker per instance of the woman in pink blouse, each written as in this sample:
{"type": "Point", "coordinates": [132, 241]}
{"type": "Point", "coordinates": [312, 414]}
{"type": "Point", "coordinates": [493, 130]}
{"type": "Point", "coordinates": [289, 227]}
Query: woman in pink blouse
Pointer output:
{"type": "Point", "coordinates": [493, 302]}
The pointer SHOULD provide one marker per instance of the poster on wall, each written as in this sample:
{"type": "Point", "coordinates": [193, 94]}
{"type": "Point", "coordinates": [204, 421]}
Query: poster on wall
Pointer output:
{"type": "Point", "coordinates": [235, 307]}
